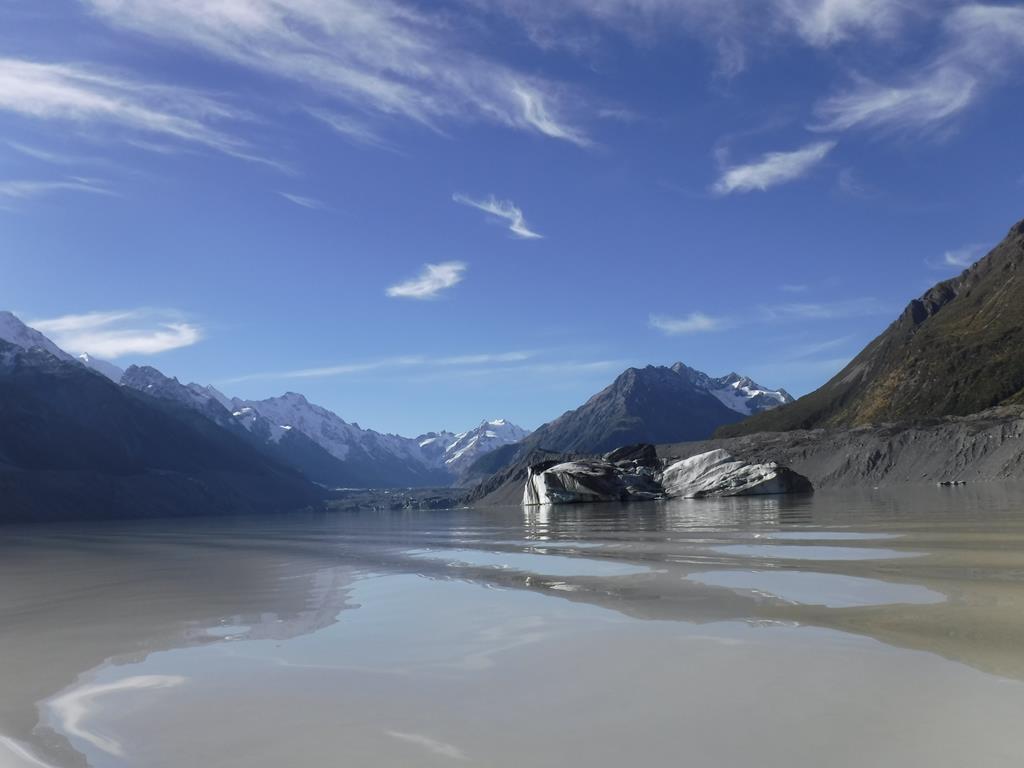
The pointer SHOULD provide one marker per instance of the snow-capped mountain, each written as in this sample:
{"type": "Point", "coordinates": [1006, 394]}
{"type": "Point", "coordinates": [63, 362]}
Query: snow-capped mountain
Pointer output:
{"type": "Point", "coordinates": [436, 457]}
{"type": "Point", "coordinates": [433, 445]}
{"type": "Point", "coordinates": [206, 400]}
{"type": "Point", "coordinates": [737, 393]}
{"type": "Point", "coordinates": [466, 447]}
{"type": "Point", "coordinates": [289, 428]}
{"type": "Point", "coordinates": [108, 369]}
{"type": "Point", "coordinates": [369, 458]}
{"type": "Point", "coordinates": [14, 331]}
{"type": "Point", "coordinates": [327, 429]}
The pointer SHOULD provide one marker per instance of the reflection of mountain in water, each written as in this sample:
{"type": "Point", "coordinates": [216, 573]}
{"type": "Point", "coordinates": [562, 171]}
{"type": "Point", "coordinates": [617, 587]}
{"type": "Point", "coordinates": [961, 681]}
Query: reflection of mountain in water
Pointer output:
{"type": "Point", "coordinates": [115, 600]}
{"type": "Point", "coordinates": [116, 595]}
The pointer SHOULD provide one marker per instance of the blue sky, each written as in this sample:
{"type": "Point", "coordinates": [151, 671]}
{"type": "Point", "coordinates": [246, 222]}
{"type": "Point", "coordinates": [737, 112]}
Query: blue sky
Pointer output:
{"type": "Point", "coordinates": [422, 214]}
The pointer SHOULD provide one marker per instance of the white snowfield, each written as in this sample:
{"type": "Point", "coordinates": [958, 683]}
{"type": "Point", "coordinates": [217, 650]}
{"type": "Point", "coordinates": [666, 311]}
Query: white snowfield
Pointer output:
{"type": "Point", "coordinates": [738, 393]}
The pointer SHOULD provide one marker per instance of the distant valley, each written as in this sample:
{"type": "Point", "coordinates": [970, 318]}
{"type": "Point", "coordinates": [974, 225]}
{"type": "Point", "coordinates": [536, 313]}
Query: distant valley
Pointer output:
{"type": "Point", "coordinates": [937, 395]}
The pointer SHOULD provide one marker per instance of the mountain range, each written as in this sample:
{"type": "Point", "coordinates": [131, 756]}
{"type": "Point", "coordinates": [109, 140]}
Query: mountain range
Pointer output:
{"type": "Point", "coordinates": [298, 434]}
{"type": "Point", "coordinates": [655, 404]}
{"type": "Point", "coordinates": [73, 444]}
{"type": "Point", "coordinates": [81, 437]}
{"type": "Point", "coordinates": [954, 351]}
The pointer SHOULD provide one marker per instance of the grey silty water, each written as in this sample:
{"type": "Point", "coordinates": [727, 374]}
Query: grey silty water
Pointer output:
{"type": "Point", "coordinates": [871, 628]}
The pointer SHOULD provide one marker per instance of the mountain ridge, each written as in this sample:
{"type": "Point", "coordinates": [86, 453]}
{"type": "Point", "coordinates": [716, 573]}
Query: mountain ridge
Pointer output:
{"type": "Point", "coordinates": [954, 351]}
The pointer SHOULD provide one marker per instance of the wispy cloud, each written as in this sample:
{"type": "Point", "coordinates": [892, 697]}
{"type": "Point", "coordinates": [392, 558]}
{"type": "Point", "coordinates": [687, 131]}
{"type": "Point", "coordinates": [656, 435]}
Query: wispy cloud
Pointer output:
{"type": "Point", "coordinates": [305, 202]}
{"type": "Point", "coordinates": [695, 322]}
{"type": "Point", "coordinates": [393, 363]}
{"type": "Point", "coordinates": [926, 99]}
{"type": "Point", "coordinates": [116, 334]}
{"type": "Point", "coordinates": [430, 282]}
{"type": "Point", "coordinates": [352, 128]}
{"type": "Point", "coordinates": [81, 95]}
{"type": "Point", "coordinates": [48, 156]}
{"type": "Point", "coordinates": [860, 307]}
{"type": "Point", "coordinates": [814, 348]}
{"type": "Point", "coordinates": [389, 58]}
{"type": "Point", "coordinates": [433, 746]}
{"type": "Point", "coordinates": [698, 322]}
{"type": "Point", "coordinates": [826, 22]}
{"type": "Point", "coordinates": [772, 169]}
{"type": "Point", "coordinates": [793, 288]}
{"type": "Point", "coordinates": [981, 43]}
{"type": "Point", "coordinates": [23, 190]}
{"type": "Point", "coordinates": [729, 27]}
{"type": "Point", "coordinates": [961, 257]}
{"type": "Point", "coordinates": [503, 209]}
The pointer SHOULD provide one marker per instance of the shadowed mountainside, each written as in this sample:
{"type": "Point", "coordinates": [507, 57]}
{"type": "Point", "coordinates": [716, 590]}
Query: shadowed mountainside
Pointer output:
{"type": "Point", "coordinates": [74, 445]}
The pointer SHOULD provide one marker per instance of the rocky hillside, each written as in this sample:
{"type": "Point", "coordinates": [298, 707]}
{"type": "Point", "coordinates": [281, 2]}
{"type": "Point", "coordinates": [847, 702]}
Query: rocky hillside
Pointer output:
{"type": "Point", "coordinates": [956, 350]}
{"type": "Point", "coordinates": [980, 447]}
{"type": "Point", "coordinates": [656, 404]}
{"type": "Point", "coordinates": [984, 446]}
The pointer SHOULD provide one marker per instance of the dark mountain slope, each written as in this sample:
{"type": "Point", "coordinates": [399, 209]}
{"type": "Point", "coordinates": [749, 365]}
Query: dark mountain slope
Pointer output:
{"type": "Point", "coordinates": [291, 448]}
{"type": "Point", "coordinates": [643, 405]}
{"type": "Point", "coordinates": [957, 350]}
{"type": "Point", "coordinates": [75, 445]}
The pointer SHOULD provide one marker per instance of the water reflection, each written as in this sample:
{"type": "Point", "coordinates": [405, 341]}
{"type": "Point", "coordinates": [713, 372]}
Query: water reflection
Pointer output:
{"type": "Point", "coordinates": [100, 624]}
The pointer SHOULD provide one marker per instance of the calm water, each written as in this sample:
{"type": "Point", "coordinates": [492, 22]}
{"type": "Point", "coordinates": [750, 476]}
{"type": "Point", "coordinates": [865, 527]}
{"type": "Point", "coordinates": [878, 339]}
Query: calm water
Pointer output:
{"type": "Point", "coordinates": [871, 629]}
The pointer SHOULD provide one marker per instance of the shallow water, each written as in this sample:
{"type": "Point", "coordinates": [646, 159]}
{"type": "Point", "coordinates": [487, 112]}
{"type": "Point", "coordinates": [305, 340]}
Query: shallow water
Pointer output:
{"type": "Point", "coordinates": [883, 628]}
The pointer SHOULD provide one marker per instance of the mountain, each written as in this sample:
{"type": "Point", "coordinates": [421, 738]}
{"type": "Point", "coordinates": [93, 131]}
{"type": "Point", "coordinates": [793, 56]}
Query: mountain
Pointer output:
{"type": "Point", "coordinates": [16, 333]}
{"type": "Point", "coordinates": [433, 446]}
{"type": "Point", "coordinates": [956, 350]}
{"type": "Point", "coordinates": [74, 445]}
{"type": "Point", "coordinates": [370, 459]}
{"type": "Point", "coordinates": [203, 400]}
{"type": "Point", "coordinates": [465, 448]}
{"type": "Point", "coordinates": [109, 370]}
{"type": "Point", "coordinates": [281, 443]}
{"type": "Point", "coordinates": [737, 393]}
{"type": "Point", "coordinates": [322, 445]}
{"type": "Point", "coordinates": [656, 404]}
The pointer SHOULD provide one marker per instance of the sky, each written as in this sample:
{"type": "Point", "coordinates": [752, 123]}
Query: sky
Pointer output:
{"type": "Point", "coordinates": [425, 214]}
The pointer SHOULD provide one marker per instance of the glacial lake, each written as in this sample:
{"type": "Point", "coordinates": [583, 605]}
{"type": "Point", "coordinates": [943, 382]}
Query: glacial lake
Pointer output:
{"type": "Point", "coordinates": [869, 628]}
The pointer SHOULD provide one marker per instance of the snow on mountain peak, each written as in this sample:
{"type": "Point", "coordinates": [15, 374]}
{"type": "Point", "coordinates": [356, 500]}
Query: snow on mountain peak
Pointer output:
{"type": "Point", "coordinates": [466, 447]}
{"type": "Point", "coordinates": [738, 393]}
{"type": "Point", "coordinates": [111, 371]}
{"type": "Point", "coordinates": [14, 331]}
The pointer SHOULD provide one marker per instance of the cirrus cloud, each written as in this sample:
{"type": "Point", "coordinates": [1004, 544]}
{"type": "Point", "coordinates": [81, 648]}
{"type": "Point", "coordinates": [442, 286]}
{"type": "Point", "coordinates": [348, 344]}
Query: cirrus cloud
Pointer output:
{"type": "Point", "coordinates": [430, 282]}
{"type": "Point", "coordinates": [772, 169]}
{"type": "Point", "coordinates": [77, 94]}
{"type": "Point", "coordinates": [502, 209]}
{"type": "Point", "coordinates": [695, 322]}
{"type": "Point", "coordinates": [117, 334]}
{"type": "Point", "coordinates": [388, 58]}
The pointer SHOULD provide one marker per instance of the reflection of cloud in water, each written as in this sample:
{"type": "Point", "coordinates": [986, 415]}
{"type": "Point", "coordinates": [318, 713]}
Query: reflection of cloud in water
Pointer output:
{"type": "Point", "coordinates": [431, 745]}
{"type": "Point", "coordinates": [800, 552]}
{"type": "Point", "coordinates": [828, 589]}
{"type": "Point", "coordinates": [541, 564]}
{"type": "Point", "coordinates": [22, 753]}
{"type": "Point", "coordinates": [74, 706]}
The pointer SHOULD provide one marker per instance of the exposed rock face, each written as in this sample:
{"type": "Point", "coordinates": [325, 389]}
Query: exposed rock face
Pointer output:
{"type": "Point", "coordinates": [644, 477]}
{"type": "Point", "coordinates": [957, 350]}
{"type": "Point", "coordinates": [718, 473]}
{"type": "Point", "coordinates": [578, 482]}
{"type": "Point", "coordinates": [985, 446]}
